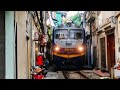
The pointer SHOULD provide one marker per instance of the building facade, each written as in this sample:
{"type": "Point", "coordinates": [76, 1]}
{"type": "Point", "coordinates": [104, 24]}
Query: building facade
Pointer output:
{"type": "Point", "coordinates": [17, 43]}
{"type": "Point", "coordinates": [90, 29]}
{"type": "Point", "coordinates": [117, 19]}
{"type": "Point", "coordinates": [104, 37]}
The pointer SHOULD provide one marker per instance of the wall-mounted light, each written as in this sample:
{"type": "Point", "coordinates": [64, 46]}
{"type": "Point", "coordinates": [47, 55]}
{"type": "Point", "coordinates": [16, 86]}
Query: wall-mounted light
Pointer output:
{"type": "Point", "coordinates": [36, 49]}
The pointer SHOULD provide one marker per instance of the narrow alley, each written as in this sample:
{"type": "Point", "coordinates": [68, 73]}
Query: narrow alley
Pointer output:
{"type": "Point", "coordinates": [60, 44]}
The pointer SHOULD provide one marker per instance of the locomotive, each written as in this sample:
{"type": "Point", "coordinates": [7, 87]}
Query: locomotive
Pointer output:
{"type": "Point", "coordinates": [68, 46]}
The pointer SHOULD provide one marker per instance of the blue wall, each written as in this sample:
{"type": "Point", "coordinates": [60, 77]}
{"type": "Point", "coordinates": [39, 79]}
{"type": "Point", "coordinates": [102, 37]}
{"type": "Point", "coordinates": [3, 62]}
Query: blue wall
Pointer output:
{"type": "Point", "coordinates": [9, 45]}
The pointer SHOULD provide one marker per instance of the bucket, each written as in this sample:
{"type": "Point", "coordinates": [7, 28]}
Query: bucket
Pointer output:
{"type": "Point", "coordinates": [38, 76]}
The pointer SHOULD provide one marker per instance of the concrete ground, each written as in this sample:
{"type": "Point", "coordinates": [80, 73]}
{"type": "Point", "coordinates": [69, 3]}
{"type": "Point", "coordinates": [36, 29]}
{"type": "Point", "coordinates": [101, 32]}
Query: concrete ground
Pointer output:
{"type": "Point", "coordinates": [53, 74]}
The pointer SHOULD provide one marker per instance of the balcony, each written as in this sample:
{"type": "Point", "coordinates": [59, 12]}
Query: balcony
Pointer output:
{"type": "Point", "coordinates": [90, 16]}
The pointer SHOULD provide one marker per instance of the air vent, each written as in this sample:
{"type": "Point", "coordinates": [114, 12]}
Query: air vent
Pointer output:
{"type": "Point", "coordinates": [68, 44]}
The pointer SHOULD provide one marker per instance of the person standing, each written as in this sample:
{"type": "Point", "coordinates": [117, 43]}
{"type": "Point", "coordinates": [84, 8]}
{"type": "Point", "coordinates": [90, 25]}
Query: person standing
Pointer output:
{"type": "Point", "coordinates": [47, 64]}
{"type": "Point", "coordinates": [39, 61]}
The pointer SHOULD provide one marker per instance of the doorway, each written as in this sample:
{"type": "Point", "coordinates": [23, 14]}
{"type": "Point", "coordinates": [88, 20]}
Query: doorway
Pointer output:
{"type": "Point", "coordinates": [103, 53]}
{"type": "Point", "coordinates": [110, 50]}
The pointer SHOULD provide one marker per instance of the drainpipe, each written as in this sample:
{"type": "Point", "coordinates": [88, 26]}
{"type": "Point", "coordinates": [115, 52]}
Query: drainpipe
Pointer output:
{"type": "Point", "coordinates": [31, 56]}
{"type": "Point", "coordinates": [90, 34]}
{"type": "Point", "coordinates": [90, 44]}
{"type": "Point", "coordinates": [45, 31]}
{"type": "Point", "coordinates": [15, 38]}
{"type": "Point", "coordinates": [91, 48]}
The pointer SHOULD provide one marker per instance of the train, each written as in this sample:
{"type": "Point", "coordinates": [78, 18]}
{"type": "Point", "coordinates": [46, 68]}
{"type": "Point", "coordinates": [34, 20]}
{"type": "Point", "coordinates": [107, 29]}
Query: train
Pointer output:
{"type": "Point", "coordinates": [69, 46]}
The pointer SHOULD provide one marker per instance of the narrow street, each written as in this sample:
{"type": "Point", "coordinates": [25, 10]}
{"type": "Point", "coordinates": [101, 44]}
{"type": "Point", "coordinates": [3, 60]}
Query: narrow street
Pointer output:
{"type": "Point", "coordinates": [79, 74]}
{"type": "Point", "coordinates": [52, 73]}
{"type": "Point", "coordinates": [59, 44]}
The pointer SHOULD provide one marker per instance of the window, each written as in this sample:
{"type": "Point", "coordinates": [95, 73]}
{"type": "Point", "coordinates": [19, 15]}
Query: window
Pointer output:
{"type": "Point", "coordinates": [61, 34]}
{"type": "Point", "coordinates": [103, 52]}
{"type": "Point", "coordinates": [75, 34]}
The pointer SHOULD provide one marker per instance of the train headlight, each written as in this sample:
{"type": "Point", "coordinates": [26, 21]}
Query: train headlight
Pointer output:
{"type": "Point", "coordinates": [81, 48]}
{"type": "Point", "coordinates": [57, 48]}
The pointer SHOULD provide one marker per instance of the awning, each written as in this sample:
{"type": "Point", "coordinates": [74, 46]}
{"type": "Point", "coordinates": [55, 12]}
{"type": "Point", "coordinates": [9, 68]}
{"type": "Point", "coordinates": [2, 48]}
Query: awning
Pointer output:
{"type": "Point", "coordinates": [109, 30]}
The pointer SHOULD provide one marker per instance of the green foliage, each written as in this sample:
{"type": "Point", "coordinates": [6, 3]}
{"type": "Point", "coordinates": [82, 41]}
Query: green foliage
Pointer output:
{"type": "Point", "coordinates": [73, 18]}
{"type": "Point", "coordinates": [49, 35]}
{"type": "Point", "coordinates": [76, 19]}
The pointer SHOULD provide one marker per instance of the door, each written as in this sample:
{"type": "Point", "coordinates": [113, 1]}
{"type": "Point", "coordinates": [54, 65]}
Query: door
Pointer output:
{"type": "Point", "coordinates": [94, 57]}
{"type": "Point", "coordinates": [110, 51]}
{"type": "Point", "coordinates": [103, 53]}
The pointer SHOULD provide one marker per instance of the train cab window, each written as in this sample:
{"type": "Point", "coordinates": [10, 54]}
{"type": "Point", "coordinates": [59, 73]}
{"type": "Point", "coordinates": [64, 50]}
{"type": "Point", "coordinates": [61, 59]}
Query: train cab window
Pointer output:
{"type": "Point", "coordinates": [78, 36]}
{"type": "Point", "coordinates": [61, 34]}
{"type": "Point", "coordinates": [75, 34]}
{"type": "Point", "coordinates": [57, 36]}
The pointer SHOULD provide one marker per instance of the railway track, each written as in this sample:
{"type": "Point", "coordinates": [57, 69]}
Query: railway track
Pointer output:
{"type": "Point", "coordinates": [74, 75]}
{"type": "Point", "coordinates": [84, 74]}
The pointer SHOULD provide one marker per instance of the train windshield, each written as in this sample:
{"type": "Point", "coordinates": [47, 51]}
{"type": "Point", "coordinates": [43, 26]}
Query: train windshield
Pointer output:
{"type": "Point", "coordinates": [61, 34]}
{"type": "Point", "coordinates": [75, 34]}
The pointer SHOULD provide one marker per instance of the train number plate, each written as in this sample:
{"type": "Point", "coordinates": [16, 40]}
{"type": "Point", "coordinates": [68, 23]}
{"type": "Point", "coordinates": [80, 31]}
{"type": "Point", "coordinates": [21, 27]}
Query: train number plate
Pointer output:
{"type": "Point", "coordinates": [69, 50]}
{"type": "Point", "coordinates": [66, 49]}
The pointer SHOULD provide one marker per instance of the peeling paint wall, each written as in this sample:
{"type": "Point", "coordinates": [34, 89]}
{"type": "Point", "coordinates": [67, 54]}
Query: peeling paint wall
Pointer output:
{"type": "Point", "coordinates": [101, 20]}
{"type": "Point", "coordinates": [118, 39]}
{"type": "Point", "coordinates": [22, 63]}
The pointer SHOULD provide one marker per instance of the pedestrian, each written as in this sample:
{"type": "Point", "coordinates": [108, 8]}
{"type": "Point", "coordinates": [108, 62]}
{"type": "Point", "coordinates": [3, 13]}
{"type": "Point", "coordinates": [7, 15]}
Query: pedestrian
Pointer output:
{"type": "Point", "coordinates": [43, 57]}
{"type": "Point", "coordinates": [39, 61]}
{"type": "Point", "coordinates": [47, 64]}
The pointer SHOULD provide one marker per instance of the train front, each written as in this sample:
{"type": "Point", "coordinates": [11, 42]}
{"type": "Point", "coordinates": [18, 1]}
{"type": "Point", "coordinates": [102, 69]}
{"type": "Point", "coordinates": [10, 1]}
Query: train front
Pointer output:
{"type": "Point", "coordinates": [68, 48]}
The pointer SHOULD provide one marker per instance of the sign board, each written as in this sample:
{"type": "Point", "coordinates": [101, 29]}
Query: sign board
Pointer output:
{"type": "Point", "coordinates": [36, 36]}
